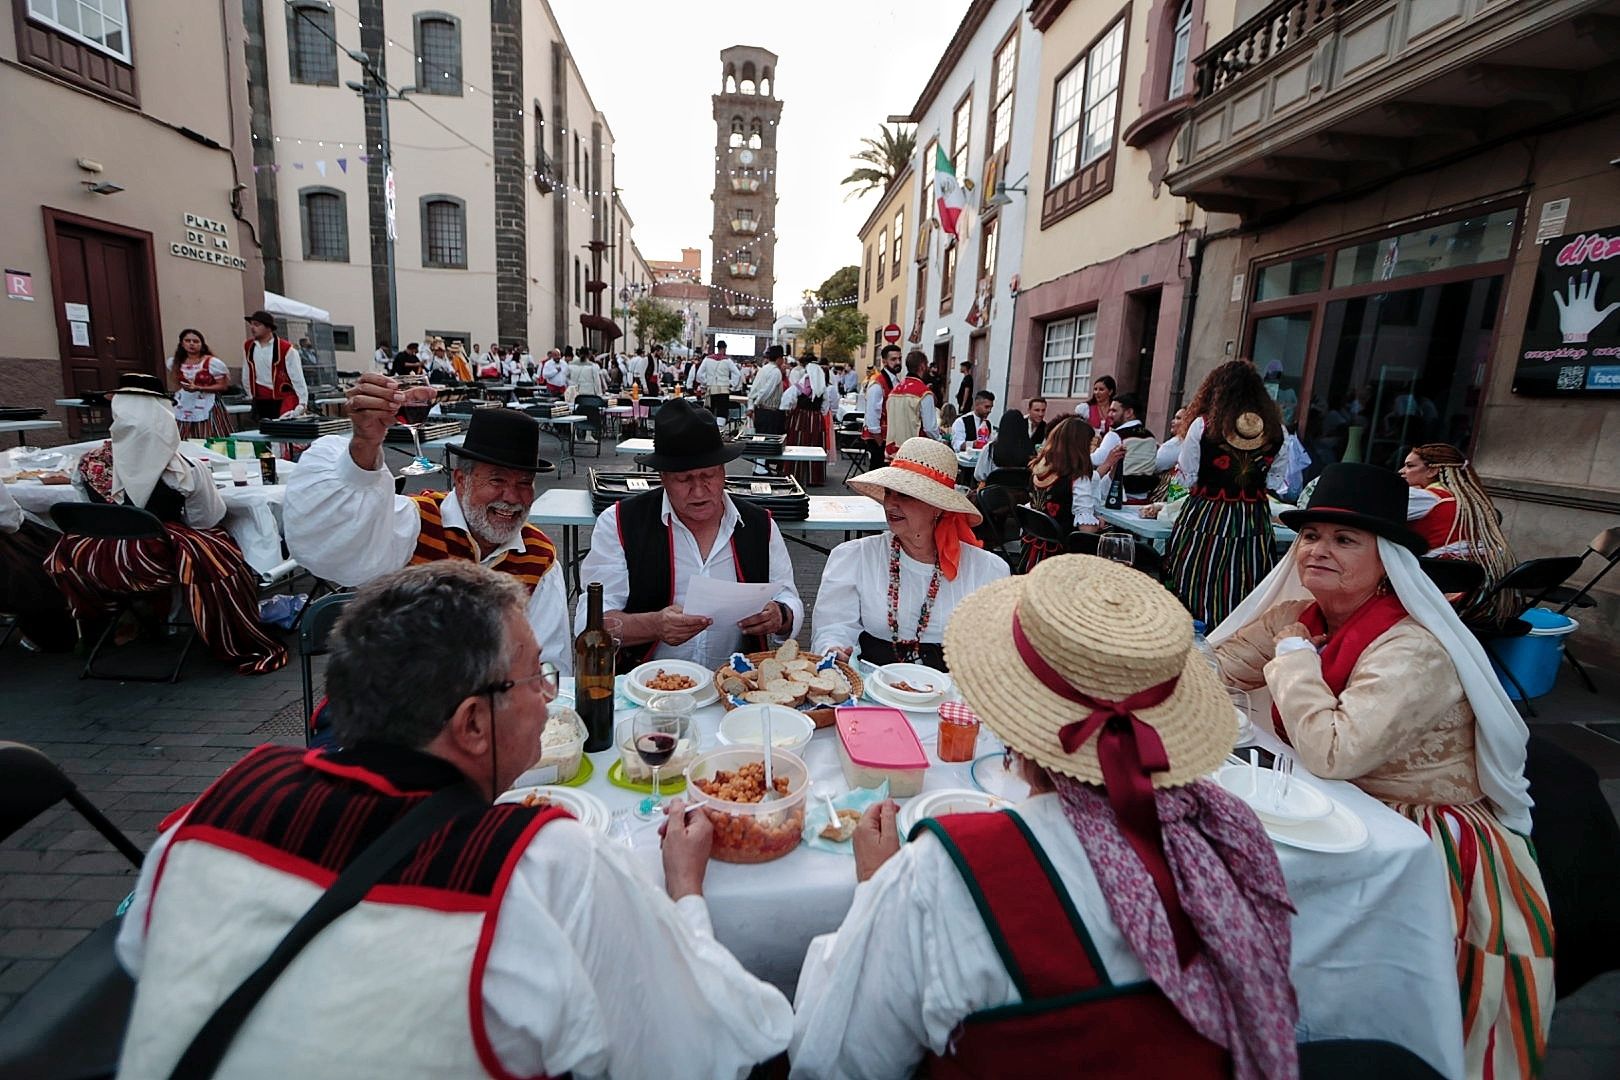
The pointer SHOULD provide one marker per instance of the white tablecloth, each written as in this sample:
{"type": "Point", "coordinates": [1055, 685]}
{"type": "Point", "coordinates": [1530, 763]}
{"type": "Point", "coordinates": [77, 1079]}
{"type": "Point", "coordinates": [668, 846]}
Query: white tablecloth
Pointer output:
{"type": "Point", "coordinates": [1373, 952]}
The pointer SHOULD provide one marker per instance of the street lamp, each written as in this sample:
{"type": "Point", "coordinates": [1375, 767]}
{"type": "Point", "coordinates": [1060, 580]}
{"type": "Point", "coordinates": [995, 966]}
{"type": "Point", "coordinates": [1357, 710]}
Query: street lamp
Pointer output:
{"type": "Point", "coordinates": [376, 88]}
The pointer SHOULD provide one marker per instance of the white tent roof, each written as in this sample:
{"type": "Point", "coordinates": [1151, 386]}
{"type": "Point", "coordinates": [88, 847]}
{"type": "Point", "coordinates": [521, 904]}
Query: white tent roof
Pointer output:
{"type": "Point", "coordinates": [277, 304]}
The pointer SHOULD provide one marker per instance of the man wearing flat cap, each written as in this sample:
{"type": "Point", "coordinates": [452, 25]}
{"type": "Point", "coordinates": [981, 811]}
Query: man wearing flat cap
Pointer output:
{"type": "Point", "coordinates": [647, 549]}
{"type": "Point", "coordinates": [344, 522]}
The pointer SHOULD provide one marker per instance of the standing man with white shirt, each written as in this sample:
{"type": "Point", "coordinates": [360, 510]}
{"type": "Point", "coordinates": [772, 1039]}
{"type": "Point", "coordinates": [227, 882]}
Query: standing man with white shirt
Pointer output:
{"type": "Point", "coordinates": [765, 395]}
{"type": "Point", "coordinates": [272, 370]}
{"type": "Point", "coordinates": [647, 549]}
{"type": "Point", "coordinates": [554, 373]}
{"type": "Point", "coordinates": [715, 377]}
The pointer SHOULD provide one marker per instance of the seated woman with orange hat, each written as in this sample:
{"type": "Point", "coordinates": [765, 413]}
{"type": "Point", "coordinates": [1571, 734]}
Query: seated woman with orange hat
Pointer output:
{"type": "Point", "coordinates": [892, 594]}
{"type": "Point", "coordinates": [1128, 918]}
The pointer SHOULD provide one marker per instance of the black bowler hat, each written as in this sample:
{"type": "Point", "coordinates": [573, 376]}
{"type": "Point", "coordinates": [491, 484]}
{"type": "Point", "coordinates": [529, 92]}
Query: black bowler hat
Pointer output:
{"type": "Point", "coordinates": [133, 382]}
{"type": "Point", "coordinates": [504, 437]}
{"type": "Point", "coordinates": [262, 317]}
{"type": "Point", "coordinates": [685, 437]}
{"type": "Point", "coordinates": [1362, 497]}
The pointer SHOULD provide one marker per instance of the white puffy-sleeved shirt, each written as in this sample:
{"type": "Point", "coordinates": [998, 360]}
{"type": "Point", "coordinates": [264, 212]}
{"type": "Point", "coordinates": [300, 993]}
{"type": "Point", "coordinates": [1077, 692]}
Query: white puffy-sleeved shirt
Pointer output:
{"type": "Point", "coordinates": [345, 524]}
{"type": "Point", "coordinates": [766, 390]}
{"type": "Point", "coordinates": [606, 563]}
{"type": "Point", "coordinates": [854, 593]}
{"type": "Point", "coordinates": [1190, 458]}
{"type": "Point", "coordinates": [592, 970]}
{"type": "Point", "coordinates": [913, 957]}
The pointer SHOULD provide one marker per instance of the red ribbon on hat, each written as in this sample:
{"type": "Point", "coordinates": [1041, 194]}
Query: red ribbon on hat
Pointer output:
{"type": "Point", "coordinates": [923, 470]}
{"type": "Point", "coordinates": [1130, 752]}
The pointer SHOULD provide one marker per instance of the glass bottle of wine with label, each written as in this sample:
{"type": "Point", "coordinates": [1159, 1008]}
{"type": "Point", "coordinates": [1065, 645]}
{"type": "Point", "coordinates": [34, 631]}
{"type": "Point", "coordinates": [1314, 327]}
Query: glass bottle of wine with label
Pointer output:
{"type": "Point", "coordinates": [594, 658]}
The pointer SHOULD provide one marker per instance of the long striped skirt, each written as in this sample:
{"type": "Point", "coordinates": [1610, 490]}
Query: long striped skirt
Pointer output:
{"type": "Point", "coordinates": [805, 428]}
{"type": "Point", "coordinates": [220, 588]}
{"type": "Point", "coordinates": [216, 426]}
{"type": "Point", "coordinates": [1218, 553]}
{"type": "Point", "coordinates": [1504, 937]}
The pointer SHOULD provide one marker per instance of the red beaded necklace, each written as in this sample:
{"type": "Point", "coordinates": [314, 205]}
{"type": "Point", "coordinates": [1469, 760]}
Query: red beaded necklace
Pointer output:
{"type": "Point", "coordinates": [908, 650]}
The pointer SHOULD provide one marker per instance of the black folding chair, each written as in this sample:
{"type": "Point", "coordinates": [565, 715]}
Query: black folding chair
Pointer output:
{"type": "Point", "coordinates": [1039, 526]}
{"type": "Point", "coordinates": [997, 525]}
{"type": "Point", "coordinates": [69, 1024]}
{"type": "Point", "coordinates": [313, 634]}
{"type": "Point", "coordinates": [1531, 579]}
{"type": "Point", "coordinates": [1606, 546]}
{"type": "Point", "coordinates": [590, 406]}
{"type": "Point", "coordinates": [102, 521]}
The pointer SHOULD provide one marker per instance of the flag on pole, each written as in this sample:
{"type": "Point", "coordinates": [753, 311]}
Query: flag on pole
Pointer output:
{"type": "Point", "coordinates": [951, 197]}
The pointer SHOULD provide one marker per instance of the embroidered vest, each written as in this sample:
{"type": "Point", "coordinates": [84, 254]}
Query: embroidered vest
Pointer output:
{"type": "Point", "coordinates": [885, 380]}
{"type": "Point", "coordinates": [394, 987]}
{"type": "Point", "coordinates": [1227, 474]}
{"type": "Point", "coordinates": [438, 541]}
{"type": "Point", "coordinates": [1068, 1010]}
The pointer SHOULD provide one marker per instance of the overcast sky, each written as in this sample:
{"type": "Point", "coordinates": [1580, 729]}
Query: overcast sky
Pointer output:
{"type": "Point", "coordinates": [845, 65]}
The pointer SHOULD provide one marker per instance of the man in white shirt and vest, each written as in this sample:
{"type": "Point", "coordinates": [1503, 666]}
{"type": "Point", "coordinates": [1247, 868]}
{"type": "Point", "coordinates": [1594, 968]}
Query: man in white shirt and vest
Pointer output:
{"type": "Point", "coordinates": [875, 429]}
{"type": "Point", "coordinates": [715, 377]}
{"type": "Point", "coordinates": [646, 551]}
{"type": "Point", "coordinates": [972, 431]}
{"type": "Point", "coordinates": [511, 940]}
{"type": "Point", "coordinates": [272, 370]}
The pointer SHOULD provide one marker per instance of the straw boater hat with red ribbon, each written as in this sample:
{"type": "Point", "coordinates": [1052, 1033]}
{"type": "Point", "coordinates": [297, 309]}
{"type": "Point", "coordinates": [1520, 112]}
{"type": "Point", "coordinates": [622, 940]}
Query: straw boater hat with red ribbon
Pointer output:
{"type": "Point", "coordinates": [926, 470]}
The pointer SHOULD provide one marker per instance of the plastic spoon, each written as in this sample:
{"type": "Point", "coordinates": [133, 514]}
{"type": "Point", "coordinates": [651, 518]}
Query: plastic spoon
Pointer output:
{"type": "Point", "coordinates": [770, 777]}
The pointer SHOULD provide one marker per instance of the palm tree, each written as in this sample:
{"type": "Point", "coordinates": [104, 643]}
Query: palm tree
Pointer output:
{"type": "Point", "coordinates": [886, 157]}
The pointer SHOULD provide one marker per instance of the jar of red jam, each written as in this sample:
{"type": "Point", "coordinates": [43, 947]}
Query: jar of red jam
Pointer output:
{"type": "Point", "coordinates": [958, 732]}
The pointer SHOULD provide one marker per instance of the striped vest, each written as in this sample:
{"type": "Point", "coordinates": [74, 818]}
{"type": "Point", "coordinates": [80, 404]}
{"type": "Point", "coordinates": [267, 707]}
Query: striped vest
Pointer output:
{"type": "Point", "coordinates": [437, 541]}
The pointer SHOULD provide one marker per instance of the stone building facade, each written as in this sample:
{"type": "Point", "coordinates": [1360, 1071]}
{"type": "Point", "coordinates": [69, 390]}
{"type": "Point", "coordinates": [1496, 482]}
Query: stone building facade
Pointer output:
{"type": "Point", "coordinates": [746, 117]}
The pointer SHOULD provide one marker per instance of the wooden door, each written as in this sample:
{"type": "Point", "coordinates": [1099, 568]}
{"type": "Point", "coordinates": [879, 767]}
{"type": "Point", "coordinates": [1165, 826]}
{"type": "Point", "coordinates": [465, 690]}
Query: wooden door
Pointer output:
{"type": "Point", "coordinates": [105, 272]}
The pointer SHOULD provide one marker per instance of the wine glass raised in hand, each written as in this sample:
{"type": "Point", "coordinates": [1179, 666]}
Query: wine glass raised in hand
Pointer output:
{"type": "Point", "coordinates": [413, 411]}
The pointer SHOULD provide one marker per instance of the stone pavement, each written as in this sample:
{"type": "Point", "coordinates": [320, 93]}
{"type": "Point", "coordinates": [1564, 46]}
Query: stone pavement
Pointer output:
{"type": "Point", "coordinates": [139, 750]}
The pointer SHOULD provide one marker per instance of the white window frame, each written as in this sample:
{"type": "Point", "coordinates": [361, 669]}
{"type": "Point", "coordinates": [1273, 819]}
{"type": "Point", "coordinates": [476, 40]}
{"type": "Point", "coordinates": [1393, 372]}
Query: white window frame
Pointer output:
{"type": "Point", "coordinates": [1081, 97]}
{"type": "Point", "coordinates": [51, 21]}
{"type": "Point", "coordinates": [1067, 350]}
{"type": "Point", "coordinates": [1182, 37]}
{"type": "Point", "coordinates": [1005, 63]}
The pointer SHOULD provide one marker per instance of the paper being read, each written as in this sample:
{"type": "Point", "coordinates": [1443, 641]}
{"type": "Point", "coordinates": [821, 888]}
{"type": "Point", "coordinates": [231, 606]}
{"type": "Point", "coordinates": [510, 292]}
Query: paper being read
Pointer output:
{"type": "Point", "coordinates": [726, 602]}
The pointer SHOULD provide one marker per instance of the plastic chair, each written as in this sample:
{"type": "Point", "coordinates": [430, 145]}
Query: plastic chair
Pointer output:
{"type": "Point", "coordinates": [107, 522]}
{"type": "Point", "coordinates": [1533, 578]}
{"type": "Point", "coordinates": [71, 1022]}
{"type": "Point", "coordinates": [313, 633]}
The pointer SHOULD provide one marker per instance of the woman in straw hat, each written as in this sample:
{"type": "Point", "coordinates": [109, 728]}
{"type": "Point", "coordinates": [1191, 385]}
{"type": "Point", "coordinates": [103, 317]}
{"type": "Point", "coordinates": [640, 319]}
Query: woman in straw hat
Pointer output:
{"type": "Point", "coordinates": [1375, 680]}
{"type": "Point", "coordinates": [1222, 543]}
{"type": "Point", "coordinates": [1457, 519]}
{"type": "Point", "coordinates": [893, 593]}
{"type": "Point", "coordinates": [1134, 912]}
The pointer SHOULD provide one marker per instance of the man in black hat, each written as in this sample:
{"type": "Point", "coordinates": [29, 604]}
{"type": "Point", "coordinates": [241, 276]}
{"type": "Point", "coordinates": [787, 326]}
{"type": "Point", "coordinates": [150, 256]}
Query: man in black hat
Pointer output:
{"type": "Point", "coordinates": [272, 370]}
{"type": "Point", "coordinates": [647, 549]}
{"type": "Point", "coordinates": [344, 522]}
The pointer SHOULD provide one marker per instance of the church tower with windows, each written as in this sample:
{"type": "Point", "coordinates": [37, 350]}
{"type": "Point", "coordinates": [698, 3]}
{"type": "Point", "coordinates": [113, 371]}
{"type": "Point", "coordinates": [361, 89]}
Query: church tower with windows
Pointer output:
{"type": "Point", "coordinates": [746, 120]}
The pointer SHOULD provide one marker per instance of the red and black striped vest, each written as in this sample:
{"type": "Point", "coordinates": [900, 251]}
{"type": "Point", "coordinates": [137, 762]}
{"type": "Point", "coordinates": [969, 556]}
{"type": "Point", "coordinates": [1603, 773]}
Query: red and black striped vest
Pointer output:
{"type": "Point", "coordinates": [438, 541]}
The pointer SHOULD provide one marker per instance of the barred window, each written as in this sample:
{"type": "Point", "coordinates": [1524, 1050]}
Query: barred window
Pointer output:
{"type": "Point", "coordinates": [444, 232]}
{"type": "Point", "coordinates": [312, 44]}
{"type": "Point", "coordinates": [324, 215]}
{"type": "Point", "coordinates": [438, 53]}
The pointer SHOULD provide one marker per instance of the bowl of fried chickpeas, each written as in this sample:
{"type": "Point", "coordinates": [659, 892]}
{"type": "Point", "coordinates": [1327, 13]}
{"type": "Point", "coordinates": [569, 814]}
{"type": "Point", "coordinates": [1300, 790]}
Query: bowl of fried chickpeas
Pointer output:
{"type": "Point", "coordinates": [728, 784]}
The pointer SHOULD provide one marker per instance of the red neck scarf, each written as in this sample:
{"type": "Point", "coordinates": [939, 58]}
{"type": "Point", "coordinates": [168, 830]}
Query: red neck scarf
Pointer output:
{"type": "Point", "coordinates": [1345, 646]}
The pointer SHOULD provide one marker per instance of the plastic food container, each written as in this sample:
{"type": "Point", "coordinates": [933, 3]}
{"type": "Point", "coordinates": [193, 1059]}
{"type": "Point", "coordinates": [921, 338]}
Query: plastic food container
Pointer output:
{"type": "Point", "coordinates": [562, 746]}
{"type": "Point", "coordinates": [751, 832]}
{"type": "Point", "coordinates": [745, 726]}
{"type": "Point", "coordinates": [877, 744]}
{"type": "Point", "coordinates": [639, 772]}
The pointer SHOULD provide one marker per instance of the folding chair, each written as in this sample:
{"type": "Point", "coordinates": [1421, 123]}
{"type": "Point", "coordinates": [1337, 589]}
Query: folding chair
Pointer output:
{"type": "Point", "coordinates": [590, 406]}
{"type": "Point", "coordinates": [1037, 525]}
{"type": "Point", "coordinates": [996, 507]}
{"type": "Point", "coordinates": [71, 1022]}
{"type": "Point", "coordinates": [313, 634]}
{"type": "Point", "coordinates": [1606, 546]}
{"type": "Point", "coordinates": [107, 522]}
{"type": "Point", "coordinates": [1533, 578]}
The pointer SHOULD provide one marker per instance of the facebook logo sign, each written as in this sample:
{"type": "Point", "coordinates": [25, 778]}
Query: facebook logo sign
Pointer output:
{"type": "Point", "coordinates": [1603, 378]}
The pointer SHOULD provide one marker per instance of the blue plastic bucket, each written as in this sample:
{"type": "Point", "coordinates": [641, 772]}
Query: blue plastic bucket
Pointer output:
{"type": "Point", "coordinates": [1534, 658]}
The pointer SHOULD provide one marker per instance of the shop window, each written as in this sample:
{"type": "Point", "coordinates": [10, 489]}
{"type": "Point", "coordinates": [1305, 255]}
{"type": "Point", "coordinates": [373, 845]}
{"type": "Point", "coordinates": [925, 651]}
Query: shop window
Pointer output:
{"type": "Point", "coordinates": [311, 44]}
{"type": "Point", "coordinates": [444, 232]}
{"type": "Point", "coordinates": [438, 53]}
{"type": "Point", "coordinates": [1291, 278]}
{"type": "Point", "coordinates": [1469, 241]}
{"type": "Point", "coordinates": [1066, 356]}
{"type": "Point", "coordinates": [324, 217]}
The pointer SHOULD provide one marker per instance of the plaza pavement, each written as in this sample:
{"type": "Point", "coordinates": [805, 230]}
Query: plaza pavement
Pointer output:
{"type": "Point", "coordinates": [139, 750]}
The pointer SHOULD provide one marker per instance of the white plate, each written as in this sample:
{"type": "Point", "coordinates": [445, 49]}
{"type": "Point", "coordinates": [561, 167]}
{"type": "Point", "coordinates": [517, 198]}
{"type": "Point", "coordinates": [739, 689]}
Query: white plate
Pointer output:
{"type": "Point", "coordinates": [704, 692]}
{"type": "Point", "coordinates": [1341, 831]}
{"type": "Point", "coordinates": [1304, 802]}
{"type": "Point", "coordinates": [591, 811]}
{"type": "Point", "coordinates": [917, 675]}
{"type": "Point", "coordinates": [989, 776]}
{"type": "Point", "coordinates": [947, 801]}
{"type": "Point", "coordinates": [880, 694]}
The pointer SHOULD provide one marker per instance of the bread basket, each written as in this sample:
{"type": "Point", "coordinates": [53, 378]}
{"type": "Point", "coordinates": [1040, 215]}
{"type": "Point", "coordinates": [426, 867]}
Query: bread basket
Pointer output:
{"type": "Point", "coordinates": [823, 716]}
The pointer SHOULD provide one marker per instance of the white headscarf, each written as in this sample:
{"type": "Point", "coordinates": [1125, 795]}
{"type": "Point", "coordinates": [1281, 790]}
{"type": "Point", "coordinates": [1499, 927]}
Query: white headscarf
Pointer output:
{"type": "Point", "coordinates": [1500, 734]}
{"type": "Point", "coordinates": [145, 448]}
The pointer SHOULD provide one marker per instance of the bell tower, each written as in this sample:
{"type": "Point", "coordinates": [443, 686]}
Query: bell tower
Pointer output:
{"type": "Point", "coordinates": [746, 117]}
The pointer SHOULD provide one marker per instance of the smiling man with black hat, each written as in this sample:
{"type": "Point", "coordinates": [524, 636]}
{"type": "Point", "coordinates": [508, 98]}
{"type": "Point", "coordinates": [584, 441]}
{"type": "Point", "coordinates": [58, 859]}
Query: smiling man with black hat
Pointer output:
{"type": "Point", "coordinates": [344, 522]}
{"type": "Point", "coordinates": [647, 549]}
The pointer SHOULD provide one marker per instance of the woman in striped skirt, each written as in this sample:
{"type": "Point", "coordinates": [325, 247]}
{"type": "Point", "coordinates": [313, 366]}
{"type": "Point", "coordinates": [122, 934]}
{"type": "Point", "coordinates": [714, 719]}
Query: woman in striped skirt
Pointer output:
{"type": "Point", "coordinates": [1374, 679]}
{"type": "Point", "coordinates": [142, 465]}
{"type": "Point", "coordinates": [1222, 543]}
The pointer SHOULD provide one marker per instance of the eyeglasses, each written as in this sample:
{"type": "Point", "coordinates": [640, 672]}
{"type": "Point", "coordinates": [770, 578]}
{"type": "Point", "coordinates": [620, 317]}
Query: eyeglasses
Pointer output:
{"type": "Point", "coordinates": [548, 677]}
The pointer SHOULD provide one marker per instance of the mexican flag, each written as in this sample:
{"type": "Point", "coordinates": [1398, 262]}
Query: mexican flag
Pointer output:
{"type": "Point", "coordinates": [951, 197]}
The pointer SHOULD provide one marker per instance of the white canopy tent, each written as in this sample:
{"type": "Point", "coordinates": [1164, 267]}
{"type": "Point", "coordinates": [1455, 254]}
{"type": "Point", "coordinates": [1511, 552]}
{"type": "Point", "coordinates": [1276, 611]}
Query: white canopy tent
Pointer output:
{"type": "Point", "coordinates": [276, 304]}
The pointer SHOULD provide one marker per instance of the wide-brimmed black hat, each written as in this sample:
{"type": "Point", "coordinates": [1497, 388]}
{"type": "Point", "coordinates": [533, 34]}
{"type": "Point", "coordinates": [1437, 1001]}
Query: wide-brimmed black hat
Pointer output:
{"type": "Point", "coordinates": [262, 317]}
{"type": "Point", "coordinates": [1362, 497]}
{"type": "Point", "coordinates": [134, 382]}
{"type": "Point", "coordinates": [686, 437]}
{"type": "Point", "coordinates": [504, 437]}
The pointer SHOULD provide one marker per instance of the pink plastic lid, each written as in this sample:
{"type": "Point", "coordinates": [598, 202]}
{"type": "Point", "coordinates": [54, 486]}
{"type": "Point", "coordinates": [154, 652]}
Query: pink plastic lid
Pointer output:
{"type": "Point", "coordinates": [879, 738]}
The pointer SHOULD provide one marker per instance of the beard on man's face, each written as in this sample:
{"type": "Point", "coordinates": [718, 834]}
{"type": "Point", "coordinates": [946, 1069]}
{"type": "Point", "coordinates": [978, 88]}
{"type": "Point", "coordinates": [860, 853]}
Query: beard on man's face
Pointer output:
{"type": "Point", "coordinates": [494, 523]}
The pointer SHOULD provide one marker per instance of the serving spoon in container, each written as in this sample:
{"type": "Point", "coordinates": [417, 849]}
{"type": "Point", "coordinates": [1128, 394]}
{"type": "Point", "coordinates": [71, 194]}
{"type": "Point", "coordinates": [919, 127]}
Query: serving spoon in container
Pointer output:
{"type": "Point", "coordinates": [770, 776]}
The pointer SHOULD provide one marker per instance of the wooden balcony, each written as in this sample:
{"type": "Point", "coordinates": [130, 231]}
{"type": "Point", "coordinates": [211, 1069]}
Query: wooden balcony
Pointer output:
{"type": "Point", "coordinates": [1316, 98]}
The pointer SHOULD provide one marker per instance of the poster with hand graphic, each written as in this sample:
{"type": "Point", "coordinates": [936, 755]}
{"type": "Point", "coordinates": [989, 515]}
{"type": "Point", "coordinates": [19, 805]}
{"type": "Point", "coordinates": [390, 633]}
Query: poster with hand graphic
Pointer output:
{"type": "Point", "coordinates": [1571, 339]}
